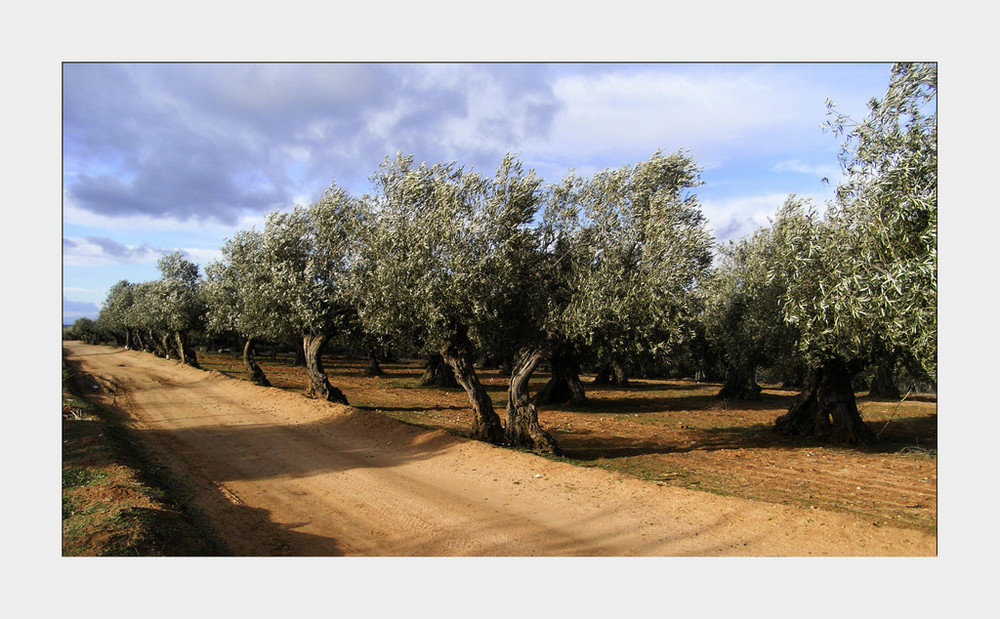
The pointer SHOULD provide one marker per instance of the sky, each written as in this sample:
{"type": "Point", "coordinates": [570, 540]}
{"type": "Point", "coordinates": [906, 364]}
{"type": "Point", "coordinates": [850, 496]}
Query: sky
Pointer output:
{"type": "Point", "coordinates": [162, 157]}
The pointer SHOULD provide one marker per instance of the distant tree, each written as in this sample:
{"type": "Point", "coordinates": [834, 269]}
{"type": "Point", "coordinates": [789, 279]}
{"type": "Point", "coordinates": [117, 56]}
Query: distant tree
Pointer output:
{"type": "Point", "coordinates": [864, 277]}
{"type": "Point", "coordinates": [84, 329]}
{"type": "Point", "coordinates": [742, 310]}
{"type": "Point", "coordinates": [236, 292]}
{"type": "Point", "coordinates": [182, 309]}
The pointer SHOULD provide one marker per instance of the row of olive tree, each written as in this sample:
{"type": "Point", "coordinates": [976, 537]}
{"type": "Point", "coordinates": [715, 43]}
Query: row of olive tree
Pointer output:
{"type": "Point", "coordinates": [157, 316]}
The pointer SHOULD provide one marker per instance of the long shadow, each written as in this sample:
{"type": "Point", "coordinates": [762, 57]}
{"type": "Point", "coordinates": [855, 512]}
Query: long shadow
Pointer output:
{"type": "Point", "coordinates": [375, 409]}
{"type": "Point", "coordinates": [609, 405]}
{"type": "Point", "coordinates": [917, 434]}
{"type": "Point", "coordinates": [592, 446]}
{"type": "Point", "coordinates": [657, 386]}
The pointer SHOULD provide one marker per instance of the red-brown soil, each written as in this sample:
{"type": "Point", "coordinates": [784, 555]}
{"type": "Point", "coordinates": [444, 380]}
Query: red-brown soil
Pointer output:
{"type": "Point", "coordinates": [667, 469]}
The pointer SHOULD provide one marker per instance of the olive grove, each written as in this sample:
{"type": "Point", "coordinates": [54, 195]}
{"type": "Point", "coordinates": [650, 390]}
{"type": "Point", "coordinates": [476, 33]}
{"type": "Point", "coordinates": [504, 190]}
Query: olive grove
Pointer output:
{"type": "Point", "coordinates": [614, 271]}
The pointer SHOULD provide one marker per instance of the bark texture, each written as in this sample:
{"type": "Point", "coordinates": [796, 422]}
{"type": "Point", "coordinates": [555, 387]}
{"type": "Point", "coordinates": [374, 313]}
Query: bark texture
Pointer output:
{"type": "Point", "coordinates": [522, 428]}
{"type": "Point", "coordinates": [612, 374]}
{"type": "Point", "coordinates": [883, 383]}
{"type": "Point", "coordinates": [457, 353]}
{"type": "Point", "coordinates": [257, 375]}
{"type": "Point", "coordinates": [165, 346]}
{"type": "Point", "coordinates": [565, 385]}
{"type": "Point", "coordinates": [184, 351]}
{"type": "Point", "coordinates": [826, 408]}
{"type": "Point", "coordinates": [739, 385]}
{"type": "Point", "coordinates": [319, 385]}
{"type": "Point", "coordinates": [438, 373]}
{"type": "Point", "coordinates": [373, 369]}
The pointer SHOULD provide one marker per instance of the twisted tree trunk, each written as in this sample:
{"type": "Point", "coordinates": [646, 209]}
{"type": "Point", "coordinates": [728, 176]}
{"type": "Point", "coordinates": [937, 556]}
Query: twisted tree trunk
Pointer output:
{"type": "Point", "coordinates": [184, 351]}
{"type": "Point", "coordinates": [612, 374]}
{"type": "Point", "coordinates": [257, 375]}
{"type": "Point", "coordinates": [165, 346]}
{"type": "Point", "coordinates": [139, 344]}
{"type": "Point", "coordinates": [373, 369]}
{"type": "Point", "coordinates": [826, 408]}
{"type": "Point", "coordinates": [319, 385]}
{"type": "Point", "coordinates": [522, 428]}
{"type": "Point", "coordinates": [157, 346]}
{"type": "Point", "coordinates": [438, 373]}
{"type": "Point", "coordinates": [457, 353]}
{"type": "Point", "coordinates": [739, 385]}
{"type": "Point", "coordinates": [565, 385]}
{"type": "Point", "coordinates": [883, 383]}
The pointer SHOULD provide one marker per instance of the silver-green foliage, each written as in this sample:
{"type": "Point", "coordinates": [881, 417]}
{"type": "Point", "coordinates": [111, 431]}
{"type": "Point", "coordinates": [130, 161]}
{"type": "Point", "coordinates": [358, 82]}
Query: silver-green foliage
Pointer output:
{"type": "Point", "coordinates": [177, 305]}
{"type": "Point", "coordinates": [742, 299]}
{"type": "Point", "coordinates": [638, 245]}
{"type": "Point", "coordinates": [291, 278]}
{"type": "Point", "coordinates": [865, 275]}
{"type": "Point", "coordinates": [443, 249]}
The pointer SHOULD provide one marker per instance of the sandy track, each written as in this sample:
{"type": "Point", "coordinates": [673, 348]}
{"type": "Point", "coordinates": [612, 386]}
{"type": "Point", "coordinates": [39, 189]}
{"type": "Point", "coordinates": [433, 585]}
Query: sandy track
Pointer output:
{"type": "Point", "coordinates": [280, 474]}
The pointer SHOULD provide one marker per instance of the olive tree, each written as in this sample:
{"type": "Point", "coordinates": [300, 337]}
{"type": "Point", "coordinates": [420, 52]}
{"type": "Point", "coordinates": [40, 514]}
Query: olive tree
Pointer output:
{"type": "Point", "coordinates": [181, 309]}
{"type": "Point", "coordinates": [612, 273]}
{"type": "Point", "coordinates": [236, 294]}
{"type": "Point", "coordinates": [308, 255]}
{"type": "Point", "coordinates": [113, 316]}
{"type": "Point", "coordinates": [863, 278]}
{"type": "Point", "coordinates": [637, 245]}
{"type": "Point", "coordinates": [441, 261]}
{"type": "Point", "coordinates": [742, 303]}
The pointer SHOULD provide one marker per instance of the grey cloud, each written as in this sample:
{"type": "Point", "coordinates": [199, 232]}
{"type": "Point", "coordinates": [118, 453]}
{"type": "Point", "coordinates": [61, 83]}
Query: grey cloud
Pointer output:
{"type": "Point", "coordinates": [116, 249]}
{"type": "Point", "coordinates": [78, 309]}
{"type": "Point", "coordinates": [214, 141]}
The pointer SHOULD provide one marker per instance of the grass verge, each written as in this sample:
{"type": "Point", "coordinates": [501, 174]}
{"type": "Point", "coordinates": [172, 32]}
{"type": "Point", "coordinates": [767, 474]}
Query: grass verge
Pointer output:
{"type": "Point", "coordinates": [115, 500]}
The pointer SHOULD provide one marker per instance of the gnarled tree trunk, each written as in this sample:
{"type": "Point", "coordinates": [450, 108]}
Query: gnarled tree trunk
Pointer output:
{"type": "Point", "coordinates": [522, 428]}
{"type": "Point", "coordinates": [827, 408]}
{"type": "Point", "coordinates": [139, 344]}
{"type": "Point", "coordinates": [256, 374]}
{"type": "Point", "coordinates": [883, 383]}
{"type": "Point", "coordinates": [739, 385]}
{"type": "Point", "coordinates": [457, 353]}
{"type": "Point", "coordinates": [612, 374]}
{"type": "Point", "coordinates": [373, 369]}
{"type": "Point", "coordinates": [319, 385]}
{"type": "Point", "coordinates": [156, 346]}
{"type": "Point", "coordinates": [565, 385]}
{"type": "Point", "coordinates": [184, 350]}
{"type": "Point", "coordinates": [438, 373]}
{"type": "Point", "coordinates": [166, 348]}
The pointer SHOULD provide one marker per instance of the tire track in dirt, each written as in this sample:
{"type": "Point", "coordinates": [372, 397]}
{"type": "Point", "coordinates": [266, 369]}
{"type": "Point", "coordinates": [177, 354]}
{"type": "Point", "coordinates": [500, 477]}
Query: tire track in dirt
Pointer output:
{"type": "Point", "coordinates": [281, 474]}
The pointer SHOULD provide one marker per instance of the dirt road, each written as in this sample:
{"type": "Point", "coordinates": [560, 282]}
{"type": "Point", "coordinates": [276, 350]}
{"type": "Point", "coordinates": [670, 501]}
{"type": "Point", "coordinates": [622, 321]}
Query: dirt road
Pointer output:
{"type": "Point", "coordinates": [280, 474]}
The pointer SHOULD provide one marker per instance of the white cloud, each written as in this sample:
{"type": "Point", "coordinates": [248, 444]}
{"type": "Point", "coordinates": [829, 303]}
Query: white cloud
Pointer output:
{"type": "Point", "coordinates": [732, 218]}
{"type": "Point", "coordinates": [643, 110]}
{"type": "Point", "coordinates": [831, 172]}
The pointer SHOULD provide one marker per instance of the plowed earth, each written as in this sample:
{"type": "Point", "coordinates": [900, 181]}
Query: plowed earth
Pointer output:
{"type": "Point", "coordinates": [658, 468]}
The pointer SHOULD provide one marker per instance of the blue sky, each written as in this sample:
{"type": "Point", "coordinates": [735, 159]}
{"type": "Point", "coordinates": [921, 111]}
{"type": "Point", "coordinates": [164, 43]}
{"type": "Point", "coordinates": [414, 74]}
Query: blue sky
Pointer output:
{"type": "Point", "coordinates": [178, 156]}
